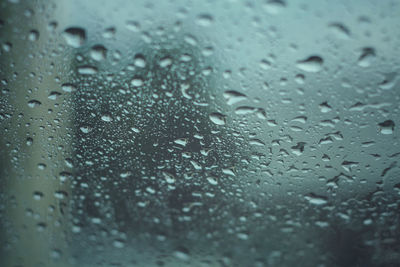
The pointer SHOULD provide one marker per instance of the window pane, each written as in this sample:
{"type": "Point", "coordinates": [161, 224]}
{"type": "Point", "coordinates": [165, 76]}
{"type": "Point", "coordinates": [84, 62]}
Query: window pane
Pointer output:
{"type": "Point", "coordinates": [199, 133]}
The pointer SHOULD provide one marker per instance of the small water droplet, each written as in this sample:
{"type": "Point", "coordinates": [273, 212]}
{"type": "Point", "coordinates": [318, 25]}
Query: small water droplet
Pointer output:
{"type": "Point", "coordinates": [33, 36]}
{"type": "Point", "coordinates": [29, 141]}
{"type": "Point", "coordinates": [106, 118]}
{"type": "Point", "coordinates": [212, 180]}
{"type": "Point", "coordinates": [85, 129]}
{"type": "Point", "coordinates": [37, 195]}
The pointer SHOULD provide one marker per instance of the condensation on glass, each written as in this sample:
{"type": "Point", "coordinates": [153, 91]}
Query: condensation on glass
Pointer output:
{"type": "Point", "coordinates": [199, 133]}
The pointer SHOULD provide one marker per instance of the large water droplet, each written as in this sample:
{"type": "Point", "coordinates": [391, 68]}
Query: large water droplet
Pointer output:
{"type": "Point", "coordinates": [74, 36]}
{"type": "Point", "coordinates": [310, 64]}
{"type": "Point", "coordinates": [386, 127]}
{"type": "Point", "coordinates": [233, 97]}
{"type": "Point", "coordinates": [204, 20]}
{"type": "Point", "coordinates": [367, 55]}
{"type": "Point", "coordinates": [98, 52]}
{"type": "Point", "coordinates": [218, 118]}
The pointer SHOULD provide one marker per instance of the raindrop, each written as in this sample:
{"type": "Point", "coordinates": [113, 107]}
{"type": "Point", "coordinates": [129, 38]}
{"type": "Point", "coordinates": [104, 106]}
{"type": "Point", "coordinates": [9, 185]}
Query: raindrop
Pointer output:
{"type": "Point", "coordinates": [204, 20]}
{"type": "Point", "coordinates": [233, 97]}
{"type": "Point", "coordinates": [218, 118]}
{"type": "Point", "coordinates": [139, 61]}
{"type": "Point", "coordinates": [367, 55]}
{"type": "Point", "coordinates": [315, 199]}
{"type": "Point", "coordinates": [136, 82]}
{"type": "Point", "coordinates": [75, 37]}
{"type": "Point", "coordinates": [324, 107]}
{"type": "Point", "coordinates": [68, 87]}
{"type": "Point", "coordinates": [53, 95]}
{"type": "Point", "coordinates": [87, 70]}
{"type": "Point", "coordinates": [165, 62]}
{"type": "Point", "coordinates": [106, 118]}
{"type": "Point", "coordinates": [274, 6]}
{"type": "Point", "coordinates": [33, 35]}
{"type": "Point", "coordinates": [133, 26]}
{"type": "Point", "coordinates": [29, 141]}
{"type": "Point", "coordinates": [98, 52]}
{"type": "Point", "coordinates": [310, 64]}
{"type": "Point", "coordinates": [34, 103]}
{"type": "Point", "coordinates": [212, 180]}
{"type": "Point", "coordinates": [340, 30]}
{"type": "Point", "coordinates": [85, 129]}
{"type": "Point", "coordinates": [109, 32]}
{"type": "Point", "coordinates": [386, 127]}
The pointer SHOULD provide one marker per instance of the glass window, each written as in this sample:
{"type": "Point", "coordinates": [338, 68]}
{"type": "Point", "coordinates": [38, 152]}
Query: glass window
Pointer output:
{"type": "Point", "coordinates": [199, 133]}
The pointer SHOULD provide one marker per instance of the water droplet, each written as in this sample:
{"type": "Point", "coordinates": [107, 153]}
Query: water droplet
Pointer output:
{"type": "Point", "coordinates": [165, 62]}
{"type": "Point", "coordinates": [34, 103]}
{"type": "Point", "coordinates": [37, 195]}
{"type": "Point", "coordinates": [29, 141]}
{"type": "Point", "coordinates": [75, 37]}
{"type": "Point", "coordinates": [340, 30]}
{"type": "Point", "coordinates": [204, 20]}
{"type": "Point", "coordinates": [109, 32]}
{"type": "Point", "coordinates": [324, 107]}
{"type": "Point", "coordinates": [33, 36]}
{"type": "Point", "coordinates": [212, 180]}
{"type": "Point", "coordinates": [87, 70]}
{"type": "Point", "coordinates": [367, 55]}
{"type": "Point", "coordinates": [310, 64]}
{"type": "Point", "coordinates": [139, 61]}
{"type": "Point", "coordinates": [218, 118]}
{"type": "Point", "coordinates": [386, 127]}
{"type": "Point", "coordinates": [41, 166]}
{"type": "Point", "coordinates": [274, 6]}
{"type": "Point", "coordinates": [98, 52]}
{"type": "Point", "coordinates": [68, 87]}
{"type": "Point", "coordinates": [256, 142]}
{"type": "Point", "coordinates": [118, 243]}
{"type": "Point", "coordinates": [53, 95]}
{"type": "Point", "coordinates": [390, 80]}
{"type": "Point", "coordinates": [106, 118]}
{"type": "Point", "coordinates": [169, 178]}
{"type": "Point", "coordinates": [315, 199]}
{"type": "Point", "coordinates": [133, 25]}
{"type": "Point", "coordinates": [245, 110]}
{"type": "Point", "coordinates": [233, 97]}
{"type": "Point", "coordinates": [182, 254]}
{"type": "Point", "coordinates": [85, 129]}
{"type": "Point", "coordinates": [137, 81]}
{"type": "Point", "coordinates": [181, 141]}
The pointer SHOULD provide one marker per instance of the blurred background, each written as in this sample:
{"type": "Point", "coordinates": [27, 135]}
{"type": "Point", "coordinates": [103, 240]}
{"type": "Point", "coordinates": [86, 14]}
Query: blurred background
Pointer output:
{"type": "Point", "coordinates": [199, 133]}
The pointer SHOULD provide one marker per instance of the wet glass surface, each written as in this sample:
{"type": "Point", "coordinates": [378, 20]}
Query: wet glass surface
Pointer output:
{"type": "Point", "coordinates": [199, 133]}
